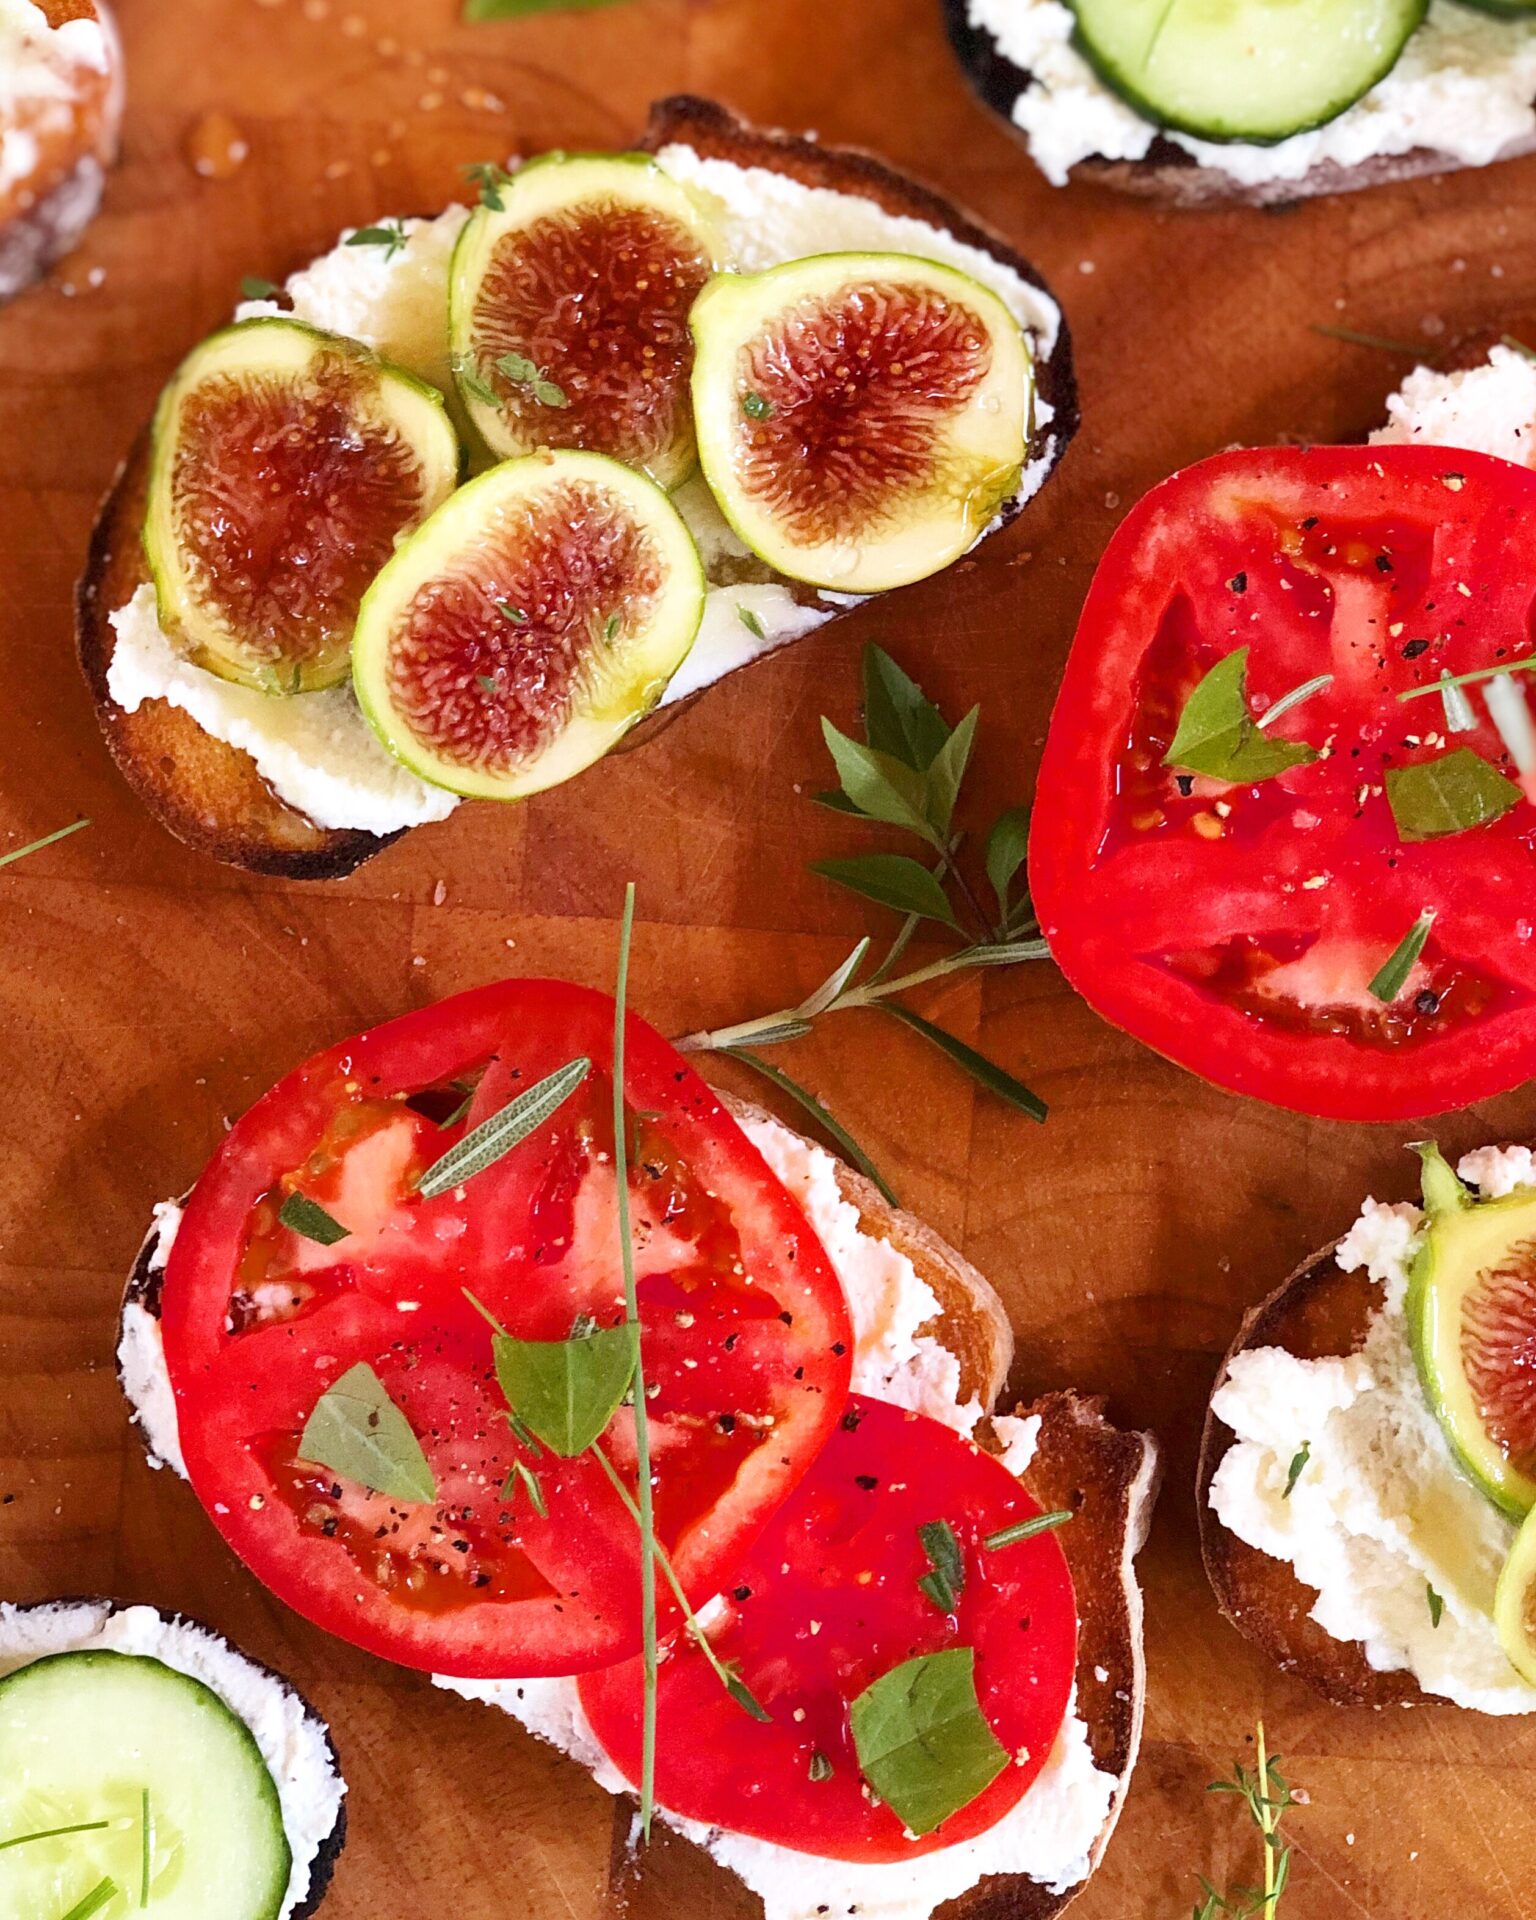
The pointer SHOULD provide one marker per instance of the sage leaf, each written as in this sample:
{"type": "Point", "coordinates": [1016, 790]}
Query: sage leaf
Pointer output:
{"type": "Point", "coordinates": [828, 1122]}
{"type": "Point", "coordinates": [1007, 845]}
{"type": "Point", "coordinates": [485, 1144]}
{"type": "Point", "coordinates": [1388, 983]}
{"type": "Point", "coordinates": [1217, 735]}
{"type": "Point", "coordinates": [357, 1431]}
{"type": "Point", "coordinates": [566, 1391]}
{"type": "Point", "coordinates": [944, 1584]}
{"type": "Point", "coordinates": [923, 1742]}
{"type": "Point", "coordinates": [880, 786]}
{"type": "Point", "coordinates": [948, 770]}
{"type": "Point", "coordinates": [1451, 794]}
{"type": "Point", "coordinates": [307, 1218]}
{"type": "Point", "coordinates": [899, 719]}
{"type": "Point", "coordinates": [891, 880]}
{"type": "Point", "coordinates": [984, 1072]}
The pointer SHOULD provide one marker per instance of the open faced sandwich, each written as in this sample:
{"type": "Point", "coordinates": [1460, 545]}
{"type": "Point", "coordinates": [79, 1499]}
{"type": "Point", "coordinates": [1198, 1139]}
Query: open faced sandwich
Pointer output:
{"type": "Point", "coordinates": [447, 1331]}
{"type": "Point", "coordinates": [713, 392]}
{"type": "Point", "coordinates": [1370, 1454]}
{"type": "Point", "coordinates": [1247, 100]}
{"type": "Point", "coordinates": [1280, 832]}
{"type": "Point", "coordinates": [61, 105]}
{"type": "Point", "coordinates": [146, 1767]}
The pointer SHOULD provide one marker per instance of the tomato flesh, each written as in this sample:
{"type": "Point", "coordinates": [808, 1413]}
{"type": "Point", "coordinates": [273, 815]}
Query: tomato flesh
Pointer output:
{"type": "Point", "coordinates": [745, 1334]}
{"type": "Point", "coordinates": [827, 1601]}
{"type": "Point", "coordinates": [1236, 927]}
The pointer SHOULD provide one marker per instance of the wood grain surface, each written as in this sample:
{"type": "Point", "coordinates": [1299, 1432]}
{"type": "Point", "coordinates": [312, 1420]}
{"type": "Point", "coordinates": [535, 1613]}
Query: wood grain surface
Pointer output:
{"type": "Point", "coordinates": [146, 995]}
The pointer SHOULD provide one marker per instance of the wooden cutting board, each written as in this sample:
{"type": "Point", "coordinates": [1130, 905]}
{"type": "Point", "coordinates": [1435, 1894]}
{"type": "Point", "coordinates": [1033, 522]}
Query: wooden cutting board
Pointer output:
{"type": "Point", "coordinates": [145, 995]}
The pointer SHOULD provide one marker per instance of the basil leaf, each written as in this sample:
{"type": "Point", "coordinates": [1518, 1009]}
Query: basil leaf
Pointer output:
{"type": "Point", "coordinates": [1218, 736]}
{"type": "Point", "coordinates": [306, 1217]}
{"type": "Point", "coordinates": [891, 880]}
{"type": "Point", "coordinates": [1451, 794]}
{"type": "Point", "coordinates": [948, 770]}
{"type": "Point", "coordinates": [982, 1070]}
{"type": "Point", "coordinates": [879, 785]}
{"type": "Point", "coordinates": [923, 1743]}
{"type": "Point", "coordinates": [1388, 983]}
{"type": "Point", "coordinates": [518, 9]}
{"type": "Point", "coordinates": [486, 1144]}
{"type": "Point", "coordinates": [566, 1391]}
{"type": "Point", "coordinates": [1007, 845]}
{"type": "Point", "coordinates": [899, 719]}
{"type": "Point", "coordinates": [357, 1431]}
{"type": "Point", "coordinates": [829, 1124]}
{"type": "Point", "coordinates": [946, 1582]}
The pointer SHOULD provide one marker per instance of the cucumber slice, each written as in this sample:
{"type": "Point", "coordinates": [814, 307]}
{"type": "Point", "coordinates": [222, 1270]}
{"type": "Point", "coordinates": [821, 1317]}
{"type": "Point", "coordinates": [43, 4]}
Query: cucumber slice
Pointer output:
{"type": "Point", "coordinates": [1514, 1603]}
{"type": "Point", "coordinates": [83, 1738]}
{"type": "Point", "coordinates": [568, 311]}
{"type": "Point", "coordinates": [1254, 70]}
{"type": "Point", "coordinates": [529, 624]}
{"type": "Point", "coordinates": [861, 416]}
{"type": "Point", "coordinates": [1472, 1317]}
{"type": "Point", "coordinates": [286, 465]}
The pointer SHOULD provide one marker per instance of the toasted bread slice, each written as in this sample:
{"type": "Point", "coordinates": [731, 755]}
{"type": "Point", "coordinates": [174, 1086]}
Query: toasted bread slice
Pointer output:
{"type": "Point", "coordinates": [1319, 1311]}
{"type": "Point", "coordinates": [47, 204]}
{"type": "Point", "coordinates": [1167, 173]}
{"type": "Point", "coordinates": [211, 795]}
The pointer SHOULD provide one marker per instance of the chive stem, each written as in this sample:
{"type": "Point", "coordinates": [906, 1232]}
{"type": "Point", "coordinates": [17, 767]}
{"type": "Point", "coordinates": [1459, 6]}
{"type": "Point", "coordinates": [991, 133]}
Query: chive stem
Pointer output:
{"type": "Point", "coordinates": [54, 1833]}
{"type": "Point", "coordinates": [101, 1895]}
{"type": "Point", "coordinates": [48, 840]}
{"type": "Point", "coordinates": [1525, 664]}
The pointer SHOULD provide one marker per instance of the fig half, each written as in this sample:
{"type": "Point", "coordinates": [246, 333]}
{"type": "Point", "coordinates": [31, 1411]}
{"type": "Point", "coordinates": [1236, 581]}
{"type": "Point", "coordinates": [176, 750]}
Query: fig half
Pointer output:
{"type": "Point", "coordinates": [286, 465]}
{"type": "Point", "coordinates": [529, 624]}
{"type": "Point", "coordinates": [568, 311]}
{"type": "Point", "coordinates": [861, 416]}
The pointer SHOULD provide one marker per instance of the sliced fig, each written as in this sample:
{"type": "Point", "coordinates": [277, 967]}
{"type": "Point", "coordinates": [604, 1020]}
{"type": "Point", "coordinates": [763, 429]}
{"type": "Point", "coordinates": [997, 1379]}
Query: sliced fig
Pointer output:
{"type": "Point", "coordinates": [287, 464]}
{"type": "Point", "coordinates": [861, 416]}
{"type": "Point", "coordinates": [529, 624]}
{"type": "Point", "coordinates": [568, 311]}
{"type": "Point", "coordinates": [1472, 1310]}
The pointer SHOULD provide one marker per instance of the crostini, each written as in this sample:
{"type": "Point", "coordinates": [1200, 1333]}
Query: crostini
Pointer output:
{"type": "Point", "coordinates": [61, 108]}
{"type": "Point", "coordinates": [148, 1767]}
{"type": "Point", "coordinates": [813, 1362]}
{"type": "Point", "coordinates": [727, 450]}
{"type": "Point", "coordinates": [1367, 1459]}
{"type": "Point", "coordinates": [1250, 102]}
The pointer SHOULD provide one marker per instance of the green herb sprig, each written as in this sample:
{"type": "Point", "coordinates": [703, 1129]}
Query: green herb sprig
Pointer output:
{"type": "Point", "coordinates": [1026, 1529]}
{"type": "Point", "coordinates": [1395, 969]}
{"type": "Point", "coordinates": [489, 179]}
{"type": "Point", "coordinates": [1217, 734]}
{"type": "Point", "coordinates": [534, 379]}
{"type": "Point", "coordinates": [389, 234]}
{"type": "Point", "coordinates": [1268, 1798]}
{"type": "Point", "coordinates": [906, 773]}
{"type": "Point", "coordinates": [484, 1145]}
{"type": "Point", "coordinates": [476, 10]}
{"type": "Point", "coordinates": [48, 840]}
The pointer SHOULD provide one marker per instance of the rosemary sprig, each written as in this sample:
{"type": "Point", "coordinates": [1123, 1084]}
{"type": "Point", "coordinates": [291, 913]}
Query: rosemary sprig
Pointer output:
{"type": "Point", "coordinates": [1268, 1798]}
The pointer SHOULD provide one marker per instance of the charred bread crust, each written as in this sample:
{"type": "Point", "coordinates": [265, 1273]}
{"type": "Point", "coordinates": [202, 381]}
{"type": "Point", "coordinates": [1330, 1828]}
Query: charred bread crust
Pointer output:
{"type": "Point", "coordinates": [209, 794]}
{"type": "Point", "coordinates": [1318, 1312]}
{"type": "Point", "coordinates": [323, 1867]}
{"type": "Point", "coordinates": [1167, 173]}
{"type": "Point", "coordinates": [206, 793]}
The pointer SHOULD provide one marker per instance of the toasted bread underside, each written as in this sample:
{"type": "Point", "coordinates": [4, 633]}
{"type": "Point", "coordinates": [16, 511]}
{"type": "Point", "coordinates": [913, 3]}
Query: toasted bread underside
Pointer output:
{"type": "Point", "coordinates": [209, 794]}
{"type": "Point", "coordinates": [45, 210]}
{"type": "Point", "coordinates": [1319, 1311]}
{"type": "Point", "coordinates": [1170, 175]}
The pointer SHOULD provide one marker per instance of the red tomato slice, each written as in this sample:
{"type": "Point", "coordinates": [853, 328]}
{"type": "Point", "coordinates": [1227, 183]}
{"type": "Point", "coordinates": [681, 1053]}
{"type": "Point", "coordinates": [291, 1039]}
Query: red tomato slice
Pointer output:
{"type": "Point", "coordinates": [1236, 928]}
{"type": "Point", "coordinates": [745, 1334]}
{"type": "Point", "coordinates": [825, 1603]}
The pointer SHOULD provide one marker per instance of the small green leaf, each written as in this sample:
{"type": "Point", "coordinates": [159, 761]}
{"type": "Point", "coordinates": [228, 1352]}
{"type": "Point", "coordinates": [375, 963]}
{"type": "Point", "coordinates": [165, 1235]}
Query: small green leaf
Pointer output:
{"type": "Point", "coordinates": [1441, 1190]}
{"type": "Point", "coordinates": [566, 1391]}
{"type": "Point", "coordinates": [1007, 846]}
{"type": "Point", "coordinates": [841, 1138]}
{"type": "Point", "coordinates": [751, 622]}
{"type": "Point", "coordinates": [835, 983]}
{"type": "Point", "coordinates": [101, 1895]}
{"type": "Point", "coordinates": [838, 803]}
{"type": "Point", "coordinates": [489, 179]}
{"type": "Point", "coordinates": [1297, 1467]}
{"type": "Point", "coordinates": [982, 1070]}
{"type": "Point", "coordinates": [881, 786]}
{"type": "Point", "coordinates": [503, 1131]}
{"type": "Point", "coordinates": [899, 718]}
{"type": "Point", "coordinates": [522, 1475]}
{"type": "Point", "coordinates": [946, 1582]}
{"type": "Point", "coordinates": [755, 407]}
{"type": "Point", "coordinates": [474, 382]}
{"type": "Point", "coordinates": [48, 840]}
{"type": "Point", "coordinates": [947, 772]}
{"type": "Point", "coordinates": [1395, 969]}
{"type": "Point", "coordinates": [742, 1694]}
{"type": "Point", "coordinates": [357, 1431]}
{"type": "Point", "coordinates": [1436, 1604]}
{"type": "Point", "coordinates": [478, 10]}
{"type": "Point", "coordinates": [515, 614]}
{"type": "Point", "coordinates": [1026, 1530]}
{"type": "Point", "coordinates": [523, 372]}
{"type": "Point", "coordinates": [891, 880]}
{"type": "Point", "coordinates": [1451, 794]}
{"type": "Point", "coordinates": [923, 1742]}
{"type": "Point", "coordinates": [1218, 736]}
{"type": "Point", "coordinates": [391, 236]}
{"type": "Point", "coordinates": [306, 1217]}
{"type": "Point", "coordinates": [254, 288]}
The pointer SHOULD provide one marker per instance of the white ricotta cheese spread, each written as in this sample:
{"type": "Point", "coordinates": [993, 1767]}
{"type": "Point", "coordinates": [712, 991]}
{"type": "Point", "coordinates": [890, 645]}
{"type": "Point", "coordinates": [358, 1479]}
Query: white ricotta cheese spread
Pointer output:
{"type": "Point", "coordinates": [40, 74]}
{"type": "Point", "coordinates": [292, 1741]}
{"type": "Point", "coordinates": [1489, 409]}
{"type": "Point", "coordinates": [316, 751]}
{"type": "Point", "coordinates": [1380, 1514]}
{"type": "Point", "coordinates": [1464, 87]}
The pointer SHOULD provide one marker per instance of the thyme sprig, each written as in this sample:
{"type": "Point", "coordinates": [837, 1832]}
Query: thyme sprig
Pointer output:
{"type": "Point", "coordinates": [906, 773]}
{"type": "Point", "coordinates": [1268, 1797]}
